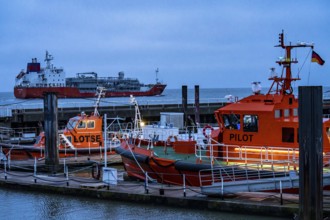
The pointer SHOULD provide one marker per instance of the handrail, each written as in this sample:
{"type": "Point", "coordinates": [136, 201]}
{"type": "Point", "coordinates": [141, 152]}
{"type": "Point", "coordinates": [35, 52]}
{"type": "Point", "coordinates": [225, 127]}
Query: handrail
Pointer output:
{"type": "Point", "coordinates": [248, 154]}
{"type": "Point", "coordinates": [241, 172]}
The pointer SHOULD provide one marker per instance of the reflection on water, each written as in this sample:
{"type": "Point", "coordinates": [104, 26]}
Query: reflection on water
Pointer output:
{"type": "Point", "coordinates": [33, 205]}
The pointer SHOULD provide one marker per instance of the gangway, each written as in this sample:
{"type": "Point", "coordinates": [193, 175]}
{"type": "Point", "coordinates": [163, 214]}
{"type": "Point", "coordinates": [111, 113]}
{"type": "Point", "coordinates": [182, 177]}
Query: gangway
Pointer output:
{"type": "Point", "coordinates": [252, 180]}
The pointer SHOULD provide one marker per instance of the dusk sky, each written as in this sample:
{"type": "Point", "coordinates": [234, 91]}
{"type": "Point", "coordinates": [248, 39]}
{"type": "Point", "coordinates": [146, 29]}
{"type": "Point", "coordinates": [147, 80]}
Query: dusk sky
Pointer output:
{"type": "Point", "coordinates": [213, 44]}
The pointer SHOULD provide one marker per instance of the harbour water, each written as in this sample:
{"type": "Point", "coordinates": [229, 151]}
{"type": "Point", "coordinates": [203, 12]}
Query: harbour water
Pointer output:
{"type": "Point", "coordinates": [31, 205]}
{"type": "Point", "coordinates": [169, 96]}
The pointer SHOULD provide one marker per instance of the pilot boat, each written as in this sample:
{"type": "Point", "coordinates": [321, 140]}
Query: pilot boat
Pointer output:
{"type": "Point", "coordinates": [257, 137]}
{"type": "Point", "coordinates": [82, 135]}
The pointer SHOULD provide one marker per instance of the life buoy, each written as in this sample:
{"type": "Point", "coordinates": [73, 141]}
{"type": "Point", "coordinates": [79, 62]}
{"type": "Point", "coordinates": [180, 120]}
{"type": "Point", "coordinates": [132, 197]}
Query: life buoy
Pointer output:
{"type": "Point", "coordinates": [207, 127]}
{"type": "Point", "coordinates": [96, 171]}
{"type": "Point", "coordinates": [118, 135]}
{"type": "Point", "coordinates": [171, 138]}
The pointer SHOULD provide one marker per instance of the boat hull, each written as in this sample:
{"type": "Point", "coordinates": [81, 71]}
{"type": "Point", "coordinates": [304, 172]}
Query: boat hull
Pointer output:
{"type": "Point", "coordinates": [137, 161]}
{"type": "Point", "coordinates": [72, 92]}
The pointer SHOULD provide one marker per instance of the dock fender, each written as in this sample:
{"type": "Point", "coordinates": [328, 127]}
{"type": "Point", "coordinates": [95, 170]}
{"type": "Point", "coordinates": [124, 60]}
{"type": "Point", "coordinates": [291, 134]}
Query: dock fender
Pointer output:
{"type": "Point", "coordinates": [194, 167]}
{"type": "Point", "coordinates": [139, 157]}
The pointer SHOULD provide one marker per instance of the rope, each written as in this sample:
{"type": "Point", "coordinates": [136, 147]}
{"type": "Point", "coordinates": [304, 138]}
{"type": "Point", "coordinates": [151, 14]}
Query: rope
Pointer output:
{"type": "Point", "coordinates": [130, 149]}
{"type": "Point", "coordinates": [304, 64]}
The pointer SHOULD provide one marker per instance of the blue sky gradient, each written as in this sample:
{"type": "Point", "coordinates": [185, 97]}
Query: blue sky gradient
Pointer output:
{"type": "Point", "coordinates": [214, 44]}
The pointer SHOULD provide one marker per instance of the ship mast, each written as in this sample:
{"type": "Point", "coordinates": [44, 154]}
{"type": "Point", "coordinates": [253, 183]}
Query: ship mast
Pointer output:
{"type": "Point", "coordinates": [157, 70]}
{"type": "Point", "coordinates": [283, 83]}
{"type": "Point", "coordinates": [48, 58]}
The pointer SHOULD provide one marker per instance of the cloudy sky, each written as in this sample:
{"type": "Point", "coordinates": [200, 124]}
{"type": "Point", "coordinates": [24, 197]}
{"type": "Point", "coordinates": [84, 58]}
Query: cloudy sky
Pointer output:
{"type": "Point", "coordinates": [213, 43]}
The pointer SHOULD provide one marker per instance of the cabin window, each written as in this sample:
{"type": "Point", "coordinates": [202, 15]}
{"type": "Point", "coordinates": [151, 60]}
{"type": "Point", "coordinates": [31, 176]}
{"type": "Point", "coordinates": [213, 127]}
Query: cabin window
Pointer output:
{"type": "Point", "coordinates": [288, 135]}
{"type": "Point", "coordinates": [295, 112]}
{"type": "Point", "coordinates": [250, 123]}
{"type": "Point", "coordinates": [277, 113]}
{"type": "Point", "coordinates": [71, 124]}
{"type": "Point", "coordinates": [91, 124]}
{"type": "Point", "coordinates": [81, 124]}
{"type": "Point", "coordinates": [231, 121]}
{"type": "Point", "coordinates": [286, 113]}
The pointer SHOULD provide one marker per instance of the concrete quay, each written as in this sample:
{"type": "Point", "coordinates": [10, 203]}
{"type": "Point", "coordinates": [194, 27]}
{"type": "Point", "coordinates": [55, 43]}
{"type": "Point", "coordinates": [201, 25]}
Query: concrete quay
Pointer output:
{"type": "Point", "coordinates": [264, 204]}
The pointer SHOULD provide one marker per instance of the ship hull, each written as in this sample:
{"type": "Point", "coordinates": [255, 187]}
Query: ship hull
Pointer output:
{"type": "Point", "coordinates": [72, 92]}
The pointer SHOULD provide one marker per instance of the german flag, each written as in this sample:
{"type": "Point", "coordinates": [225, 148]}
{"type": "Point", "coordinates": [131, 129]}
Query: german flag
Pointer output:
{"type": "Point", "coordinates": [316, 58]}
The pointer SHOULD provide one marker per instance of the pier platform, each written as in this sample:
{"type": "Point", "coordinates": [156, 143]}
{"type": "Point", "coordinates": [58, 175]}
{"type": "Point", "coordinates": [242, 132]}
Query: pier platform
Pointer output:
{"type": "Point", "coordinates": [254, 203]}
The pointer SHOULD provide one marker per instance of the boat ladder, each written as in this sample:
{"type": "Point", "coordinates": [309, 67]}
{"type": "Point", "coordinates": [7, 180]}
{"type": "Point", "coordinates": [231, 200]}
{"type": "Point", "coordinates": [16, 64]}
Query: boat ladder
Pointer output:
{"type": "Point", "coordinates": [66, 141]}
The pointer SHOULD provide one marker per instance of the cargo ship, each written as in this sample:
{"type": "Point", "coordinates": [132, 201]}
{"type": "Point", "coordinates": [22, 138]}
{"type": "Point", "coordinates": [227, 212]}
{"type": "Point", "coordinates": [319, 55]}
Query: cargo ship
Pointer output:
{"type": "Point", "coordinates": [37, 80]}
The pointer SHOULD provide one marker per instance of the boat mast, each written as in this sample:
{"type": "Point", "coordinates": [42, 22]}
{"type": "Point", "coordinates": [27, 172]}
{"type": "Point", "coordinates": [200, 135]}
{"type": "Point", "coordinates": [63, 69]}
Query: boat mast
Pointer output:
{"type": "Point", "coordinates": [100, 93]}
{"type": "Point", "coordinates": [283, 83]}
{"type": "Point", "coordinates": [137, 118]}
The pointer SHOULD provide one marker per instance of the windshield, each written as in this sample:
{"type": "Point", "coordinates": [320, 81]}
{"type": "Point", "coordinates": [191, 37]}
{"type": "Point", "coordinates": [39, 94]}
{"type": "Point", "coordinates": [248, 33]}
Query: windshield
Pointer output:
{"type": "Point", "coordinates": [71, 124]}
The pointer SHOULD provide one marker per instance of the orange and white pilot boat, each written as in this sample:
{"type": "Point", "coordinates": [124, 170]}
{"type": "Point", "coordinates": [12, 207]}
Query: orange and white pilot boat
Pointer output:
{"type": "Point", "coordinates": [83, 135]}
{"type": "Point", "coordinates": [254, 135]}
{"type": "Point", "coordinates": [263, 128]}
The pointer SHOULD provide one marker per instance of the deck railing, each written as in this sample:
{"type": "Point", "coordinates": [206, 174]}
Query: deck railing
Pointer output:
{"type": "Point", "coordinates": [241, 172]}
{"type": "Point", "coordinates": [247, 154]}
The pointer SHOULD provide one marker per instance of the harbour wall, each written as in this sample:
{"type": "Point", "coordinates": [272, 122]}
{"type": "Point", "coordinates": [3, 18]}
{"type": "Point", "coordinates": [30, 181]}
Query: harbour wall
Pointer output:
{"type": "Point", "coordinates": [30, 117]}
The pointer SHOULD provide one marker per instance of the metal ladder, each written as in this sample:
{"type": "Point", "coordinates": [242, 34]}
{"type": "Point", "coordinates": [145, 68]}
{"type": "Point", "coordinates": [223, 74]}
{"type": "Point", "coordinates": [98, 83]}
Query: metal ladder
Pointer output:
{"type": "Point", "coordinates": [66, 141]}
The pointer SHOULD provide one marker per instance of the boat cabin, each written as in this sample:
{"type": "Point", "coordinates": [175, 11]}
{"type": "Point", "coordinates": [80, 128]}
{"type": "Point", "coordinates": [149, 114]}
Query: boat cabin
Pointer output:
{"type": "Point", "coordinates": [84, 131]}
{"type": "Point", "coordinates": [262, 124]}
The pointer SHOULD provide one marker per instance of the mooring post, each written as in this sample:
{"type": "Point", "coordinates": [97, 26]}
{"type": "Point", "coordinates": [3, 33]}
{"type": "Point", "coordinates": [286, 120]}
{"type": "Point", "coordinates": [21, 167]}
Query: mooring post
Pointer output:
{"type": "Point", "coordinates": [105, 139]}
{"type": "Point", "coordinates": [184, 102]}
{"type": "Point", "coordinates": [51, 131]}
{"type": "Point", "coordinates": [310, 153]}
{"type": "Point", "coordinates": [197, 118]}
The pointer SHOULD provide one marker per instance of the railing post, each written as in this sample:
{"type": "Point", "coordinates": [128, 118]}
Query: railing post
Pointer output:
{"type": "Point", "coordinates": [9, 159]}
{"type": "Point", "coordinates": [146, 183]}
{"type": "Point", "coordinates": [5, 170]}
{"type": "Point", "coordinates": [66, 173]}
{"type": "Point", "coordinates": [281, 192]}
{"type": "Point", "coordinates": [222, 188]}
{"type": "Point", "coordinates": [35, 170]}
{"type": "Point", "coordinates": [184, 185]}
